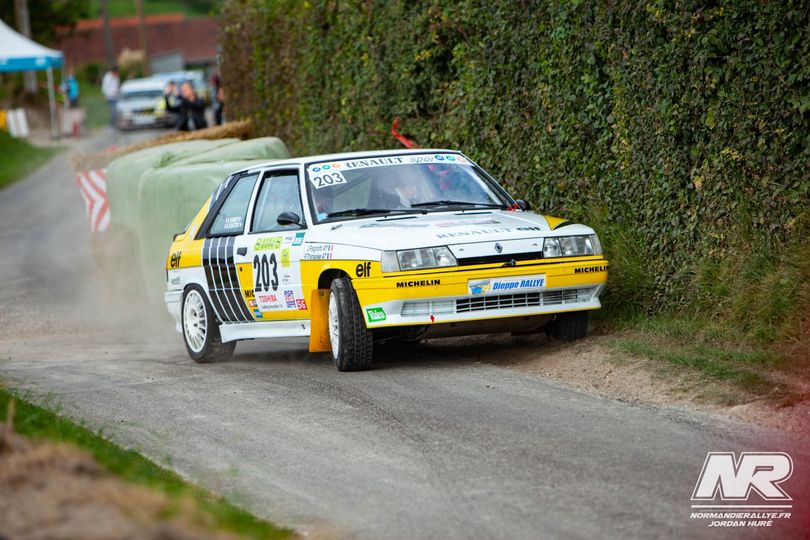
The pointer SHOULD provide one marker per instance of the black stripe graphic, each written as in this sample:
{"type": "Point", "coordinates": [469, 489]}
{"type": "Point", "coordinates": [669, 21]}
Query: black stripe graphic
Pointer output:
{"type": "Point", "coordinates": [223, 281]}
{"type": "Point", "coordinates": [228, 269]}
{"type": "Point", "coordinates": [209, 277]}
{"type": "Point", "coordinates": [236, 290]}
{"type": "Point", "coordinates": [221, 273]}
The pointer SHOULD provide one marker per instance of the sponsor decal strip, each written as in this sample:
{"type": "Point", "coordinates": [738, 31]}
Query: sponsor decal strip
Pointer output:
{"type": "Point", "coordinates": [590, 269]}
{"type": "Point", "coordinates": [419, 283]}
{"type": "Point", "coordinates": [507, 284]}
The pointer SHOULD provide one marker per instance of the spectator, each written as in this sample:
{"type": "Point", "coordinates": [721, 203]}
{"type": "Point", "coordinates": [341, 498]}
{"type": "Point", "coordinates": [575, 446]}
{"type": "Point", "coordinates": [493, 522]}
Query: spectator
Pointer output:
{"type": "Point", "coordinates": [219, 106]}
{"type": "Point", "coordinates": [110, 84]}
{"type": "Point", "coordinates": [188, 106]}
{"type": "Point", "coordinates": [70, 89]}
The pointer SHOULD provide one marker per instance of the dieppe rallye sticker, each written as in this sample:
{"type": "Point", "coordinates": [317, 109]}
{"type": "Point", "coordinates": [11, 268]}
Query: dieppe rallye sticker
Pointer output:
{"type": "Point", "coordinates": [507, 285]}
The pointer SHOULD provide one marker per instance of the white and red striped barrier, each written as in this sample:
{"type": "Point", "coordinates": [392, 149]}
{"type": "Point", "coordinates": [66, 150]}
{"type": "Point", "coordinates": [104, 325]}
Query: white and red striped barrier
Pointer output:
{"type": "Point", "coordinates": [93, 187]}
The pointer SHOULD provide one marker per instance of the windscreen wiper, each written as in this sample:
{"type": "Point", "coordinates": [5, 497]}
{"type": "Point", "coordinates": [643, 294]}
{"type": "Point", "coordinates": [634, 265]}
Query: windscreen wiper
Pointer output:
{"type": "Point", "coordinates": [457, 203]}
{"type": "Point", "coordinates": [366, 212]}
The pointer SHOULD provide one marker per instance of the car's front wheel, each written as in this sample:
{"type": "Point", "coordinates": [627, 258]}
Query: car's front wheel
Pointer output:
{"type": "Point", "coordinates": [200, 329]}
{"type": "Point", "coordinates": [569, 326]}
{"type": "Point", "coordinates": [351, 341]}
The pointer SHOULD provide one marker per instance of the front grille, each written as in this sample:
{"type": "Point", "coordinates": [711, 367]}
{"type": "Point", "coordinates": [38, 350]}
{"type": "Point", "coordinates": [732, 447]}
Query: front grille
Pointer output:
{"type": "Point", "coordinates": [426, 307]}
{"type": "Point", "coordinates": [469, 304]}
{"type": "Point", "coordinates": [500, 258]}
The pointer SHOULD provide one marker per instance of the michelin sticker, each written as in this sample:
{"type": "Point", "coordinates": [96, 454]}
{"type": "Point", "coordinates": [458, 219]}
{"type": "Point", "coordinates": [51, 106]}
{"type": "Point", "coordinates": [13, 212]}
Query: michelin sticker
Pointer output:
{"type": "Point", "coordinates": [506, 285]}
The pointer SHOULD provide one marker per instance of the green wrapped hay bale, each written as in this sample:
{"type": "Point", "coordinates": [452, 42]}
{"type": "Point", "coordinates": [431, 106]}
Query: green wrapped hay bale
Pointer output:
{"type": "Point", "coordinates": [124, 173]}
{"type": "Point", "coordinates": [266, 148]}
{"type": "Point", "coordinates": [169, 198]}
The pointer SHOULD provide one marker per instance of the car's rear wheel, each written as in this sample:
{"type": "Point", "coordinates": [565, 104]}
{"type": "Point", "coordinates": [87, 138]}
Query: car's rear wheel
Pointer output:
{"type": "Point", "coordinates": [200, 329]}
{"type": "Point", "coordinates": [568, 326]}
{"type": "Point", "coordinates": [351, 341]}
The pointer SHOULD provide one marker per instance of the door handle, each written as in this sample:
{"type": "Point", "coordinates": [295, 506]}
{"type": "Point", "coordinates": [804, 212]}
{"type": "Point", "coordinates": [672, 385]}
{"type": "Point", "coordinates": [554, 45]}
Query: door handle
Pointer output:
{"type": "Point", "coordinates": [241, 251]}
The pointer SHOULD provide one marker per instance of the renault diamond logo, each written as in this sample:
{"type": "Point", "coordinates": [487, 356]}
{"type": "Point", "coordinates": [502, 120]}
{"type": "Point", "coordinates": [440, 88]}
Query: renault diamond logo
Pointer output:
{"type": "Point", "coordinates": [498, 247]}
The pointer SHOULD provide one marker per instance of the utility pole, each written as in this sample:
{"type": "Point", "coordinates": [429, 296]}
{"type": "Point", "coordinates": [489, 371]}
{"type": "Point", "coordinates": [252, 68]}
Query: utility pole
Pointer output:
{"type": "Point", "coordinates": [142, 35]}
{"type": "Point", "coordinates": [108, 42]}
{"type": "Point", "coordinates": [24, 26]}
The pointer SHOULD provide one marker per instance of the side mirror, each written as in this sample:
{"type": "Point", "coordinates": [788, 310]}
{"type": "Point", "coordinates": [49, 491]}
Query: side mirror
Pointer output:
{"type": "Point", "coordinates": [288, 218]}
{"type": "Point", "coordinates": [523, 204]}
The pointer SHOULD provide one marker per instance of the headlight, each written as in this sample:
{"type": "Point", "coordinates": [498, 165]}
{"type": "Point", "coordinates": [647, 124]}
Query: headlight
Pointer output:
{"type": "Point", "coordinates": [572, 246]}
{"type": "Point", "coordinates": [417, 259]}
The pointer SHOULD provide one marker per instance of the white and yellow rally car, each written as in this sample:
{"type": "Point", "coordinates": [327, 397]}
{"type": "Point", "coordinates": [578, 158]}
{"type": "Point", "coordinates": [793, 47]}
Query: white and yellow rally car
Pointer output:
{"type": "Point", "coordinates": [358, 248]}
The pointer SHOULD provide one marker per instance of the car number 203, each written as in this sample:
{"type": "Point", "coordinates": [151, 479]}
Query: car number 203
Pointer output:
{"type": "Point", "coordinates": [261, 269]}
{"type": "Point", "coordinates": [325, 179]}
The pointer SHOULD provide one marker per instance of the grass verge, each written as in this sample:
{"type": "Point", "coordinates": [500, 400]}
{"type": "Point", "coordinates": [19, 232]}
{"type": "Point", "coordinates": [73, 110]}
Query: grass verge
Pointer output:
{"type": "Point", "coordinates": [37, 422]}
{"type": "Point", "coordinates": [95, 106]}
{"type": "Point", "coordinates": [679, 346]}
{"type": "Point", "coordinates": [18, 157]}
{"type": "Point", "coordinates": [743, 318]}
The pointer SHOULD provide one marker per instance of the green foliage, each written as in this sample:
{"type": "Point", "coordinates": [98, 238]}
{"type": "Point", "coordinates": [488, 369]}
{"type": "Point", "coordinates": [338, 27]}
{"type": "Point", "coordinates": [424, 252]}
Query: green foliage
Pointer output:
{"type": "Point", "coordinates": [46, 15]}
{"type": "Point", "coordinates": [126, 8]}
{"type": "Point", "coordinates": [40, 423]}
{"type": "Point", "coordinates": [680, 129]}
{"type": "Point", "coordinates": [18, 158]}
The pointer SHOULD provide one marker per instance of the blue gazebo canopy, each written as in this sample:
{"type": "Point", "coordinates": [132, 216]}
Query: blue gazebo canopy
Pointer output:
{"type": "Point", "coordinates": [18, 53]}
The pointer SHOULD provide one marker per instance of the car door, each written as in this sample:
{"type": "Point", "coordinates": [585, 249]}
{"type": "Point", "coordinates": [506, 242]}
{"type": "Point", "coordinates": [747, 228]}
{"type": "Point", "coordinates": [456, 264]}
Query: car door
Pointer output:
{"type": "Point", "coordinates": [224, 226]}
{"type": "Point", "coordinates": [270, 253]}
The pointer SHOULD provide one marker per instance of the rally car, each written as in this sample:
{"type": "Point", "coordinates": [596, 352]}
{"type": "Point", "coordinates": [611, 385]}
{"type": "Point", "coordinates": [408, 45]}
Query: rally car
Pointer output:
{"type": "Point", "coordinates": [354, 249]}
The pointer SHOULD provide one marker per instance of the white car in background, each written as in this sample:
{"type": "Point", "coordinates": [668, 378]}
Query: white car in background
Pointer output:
{"type": "Point", "coordinates": [141, 104]}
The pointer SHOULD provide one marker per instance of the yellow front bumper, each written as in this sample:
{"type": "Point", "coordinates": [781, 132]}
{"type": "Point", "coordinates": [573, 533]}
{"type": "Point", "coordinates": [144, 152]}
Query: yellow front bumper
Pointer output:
{"type": "Point", "coordinates": [482, 292]}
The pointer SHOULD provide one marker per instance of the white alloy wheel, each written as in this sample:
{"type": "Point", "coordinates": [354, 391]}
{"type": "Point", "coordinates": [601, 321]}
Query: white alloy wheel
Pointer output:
{"type": "Point", "coordinates": [195, 321]}
{"type": "Point", "coordinates": [334, 324]}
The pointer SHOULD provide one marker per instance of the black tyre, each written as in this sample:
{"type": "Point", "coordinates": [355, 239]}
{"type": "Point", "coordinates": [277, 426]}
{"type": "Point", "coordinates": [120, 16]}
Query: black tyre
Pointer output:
{"type": "Point", "coordinates": [200, 328]}
{"type": "Point", "coordinates": [568, 326]}
{"type": "Point", "coordinates": [352, 342]}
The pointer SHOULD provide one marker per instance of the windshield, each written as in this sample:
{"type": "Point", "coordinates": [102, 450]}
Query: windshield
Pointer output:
{"type": "Point", "coordinates": [141, 94]}
{"type": "Point", "coordinates": [412, 183]}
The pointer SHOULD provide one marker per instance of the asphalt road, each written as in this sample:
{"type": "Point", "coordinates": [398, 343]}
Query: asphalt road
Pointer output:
{"type": "Point", "coordinates": [433, 443]}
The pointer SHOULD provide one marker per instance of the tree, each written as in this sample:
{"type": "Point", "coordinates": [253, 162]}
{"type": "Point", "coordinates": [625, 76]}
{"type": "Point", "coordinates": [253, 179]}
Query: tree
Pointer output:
{"type": "Point", "coordinates": [47, 15]}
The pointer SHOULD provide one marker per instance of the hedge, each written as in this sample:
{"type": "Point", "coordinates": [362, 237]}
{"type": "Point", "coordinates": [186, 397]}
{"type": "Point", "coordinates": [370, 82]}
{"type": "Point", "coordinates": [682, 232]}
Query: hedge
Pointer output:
{"type": "Point", "coordinates": [682, 124]}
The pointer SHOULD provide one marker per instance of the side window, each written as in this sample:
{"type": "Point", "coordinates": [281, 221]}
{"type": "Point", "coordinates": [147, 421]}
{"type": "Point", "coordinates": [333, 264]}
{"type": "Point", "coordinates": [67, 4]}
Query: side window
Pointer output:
{"type": "Point", "coordinates": [279, 193]}
{"type": "Point", "coordinates": [231, 216]}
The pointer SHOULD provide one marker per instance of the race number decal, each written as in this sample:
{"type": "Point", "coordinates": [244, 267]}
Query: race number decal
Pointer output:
{"type": "Point", "coordinates": [325, 178]}
{"type": "Point", "coordinates": [261, 269]}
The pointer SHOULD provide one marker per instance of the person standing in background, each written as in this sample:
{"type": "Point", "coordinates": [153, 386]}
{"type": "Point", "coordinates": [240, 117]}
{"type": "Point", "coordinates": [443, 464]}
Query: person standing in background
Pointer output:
{"type": "Point", "coordinates": [189, 107]}
{"type": "Point", "coordinates": [220, 106]}
{"type": "Point", "coordinates": [110, 84]}
{"type": "Point", "coordinates": [70, 89]}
